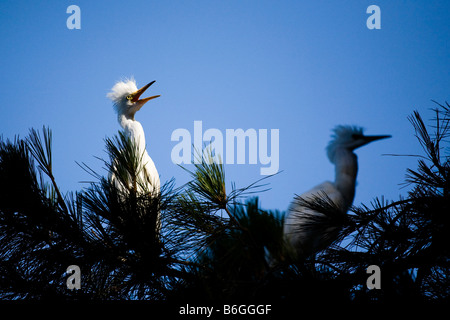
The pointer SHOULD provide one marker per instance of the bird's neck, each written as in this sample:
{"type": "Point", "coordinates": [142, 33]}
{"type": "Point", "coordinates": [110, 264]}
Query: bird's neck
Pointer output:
{"type": "Point", "coordinates": [133, 129]}
{"type": "Point", "coordinates": [125, 120]}
{"type": "Point", "coordinates": [346, 170]}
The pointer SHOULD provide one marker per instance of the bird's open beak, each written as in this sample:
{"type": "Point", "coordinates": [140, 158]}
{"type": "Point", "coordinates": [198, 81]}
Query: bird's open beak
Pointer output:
{"type": "Point", "coordinates": [136, 95]}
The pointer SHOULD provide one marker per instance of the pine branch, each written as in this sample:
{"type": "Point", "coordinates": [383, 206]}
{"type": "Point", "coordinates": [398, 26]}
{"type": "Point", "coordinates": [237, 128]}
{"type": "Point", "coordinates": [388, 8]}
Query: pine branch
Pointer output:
{"type": "Point", "coordinates": [42, 152]}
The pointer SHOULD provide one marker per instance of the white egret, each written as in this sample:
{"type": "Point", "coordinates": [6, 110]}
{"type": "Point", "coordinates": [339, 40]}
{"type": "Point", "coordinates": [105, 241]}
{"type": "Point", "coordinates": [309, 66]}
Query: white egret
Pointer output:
{"type": "Point", "coordinates": [299, 228]}
{"type": "Point", "coordinates": [125, 96]}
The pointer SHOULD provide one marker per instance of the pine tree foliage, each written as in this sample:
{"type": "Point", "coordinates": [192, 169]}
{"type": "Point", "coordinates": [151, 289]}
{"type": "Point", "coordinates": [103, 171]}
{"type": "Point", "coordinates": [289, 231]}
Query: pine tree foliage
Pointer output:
{"type": "Point", "coordinates": [207, 242]}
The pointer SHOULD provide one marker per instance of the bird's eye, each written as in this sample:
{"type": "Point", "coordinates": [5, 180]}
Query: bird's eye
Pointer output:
{"type": "Point", "coordinates": [129, 97]}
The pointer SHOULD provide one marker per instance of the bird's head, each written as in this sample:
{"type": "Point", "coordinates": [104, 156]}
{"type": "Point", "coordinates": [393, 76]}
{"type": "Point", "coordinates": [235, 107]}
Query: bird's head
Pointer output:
{"type": "Point", "coordinates": [125, 96]}
{"type": "Point", "coordinates": [350, 138]}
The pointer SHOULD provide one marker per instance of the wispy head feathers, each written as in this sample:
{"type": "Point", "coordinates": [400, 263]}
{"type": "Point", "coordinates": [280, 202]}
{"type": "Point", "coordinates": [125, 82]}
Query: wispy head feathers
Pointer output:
{"type": "Point", "coordinates": [342, 135]}
{"type": "Point", "coordinates": [120, 90]}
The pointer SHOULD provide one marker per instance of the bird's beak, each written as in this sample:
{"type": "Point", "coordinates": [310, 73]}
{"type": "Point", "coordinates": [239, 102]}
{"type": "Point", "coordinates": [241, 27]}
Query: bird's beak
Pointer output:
{"type": "Point", "coordinates": [369, 139]}
{"type": "Point", "coordinates": [136, 95]}
{"type": "Point", "coordinates": [363, 140]}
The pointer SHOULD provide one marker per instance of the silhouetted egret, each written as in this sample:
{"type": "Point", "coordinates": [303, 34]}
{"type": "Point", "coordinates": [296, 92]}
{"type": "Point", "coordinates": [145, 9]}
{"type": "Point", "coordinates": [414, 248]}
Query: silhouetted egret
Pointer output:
{"type": "Point", "coordinates": [300, 226]}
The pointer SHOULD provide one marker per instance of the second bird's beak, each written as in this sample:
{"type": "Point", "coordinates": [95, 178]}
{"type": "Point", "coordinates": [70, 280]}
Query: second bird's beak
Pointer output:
{"type": "Point", "coordinates": [135, 95]}
{"type": "Point", "coordinates": [363, 140]}
{"type": "Point", "coordinates": [374, 138]}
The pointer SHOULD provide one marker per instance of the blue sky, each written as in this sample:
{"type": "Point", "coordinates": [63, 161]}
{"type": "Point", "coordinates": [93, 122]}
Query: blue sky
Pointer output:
{"type": "Point", "coordinates": [298, 66]}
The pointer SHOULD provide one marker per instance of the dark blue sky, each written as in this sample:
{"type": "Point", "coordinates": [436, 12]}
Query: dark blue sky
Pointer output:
{"type": "Point", "coordinates": [301, 67]}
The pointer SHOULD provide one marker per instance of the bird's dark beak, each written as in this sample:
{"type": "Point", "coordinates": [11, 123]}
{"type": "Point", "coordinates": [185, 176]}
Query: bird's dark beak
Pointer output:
{"type": "Point", "coordinates": [136, 95]}
{"type": "Point", "coordinates": [369, 139]}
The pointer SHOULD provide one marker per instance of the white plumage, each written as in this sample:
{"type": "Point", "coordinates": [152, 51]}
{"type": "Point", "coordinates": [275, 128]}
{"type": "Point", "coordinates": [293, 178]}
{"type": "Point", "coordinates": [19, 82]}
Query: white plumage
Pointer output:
{"type": "Point", "coordinates": [125, 96]}
{"type": "Point", "coordinates": [297, 225]}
